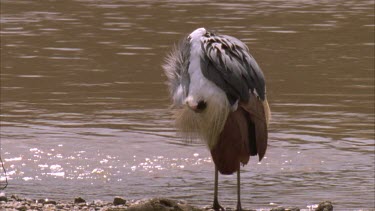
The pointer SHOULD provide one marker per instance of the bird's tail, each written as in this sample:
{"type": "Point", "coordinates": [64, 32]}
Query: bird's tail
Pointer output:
{"type": "Point", "coordinates": [259, 115]}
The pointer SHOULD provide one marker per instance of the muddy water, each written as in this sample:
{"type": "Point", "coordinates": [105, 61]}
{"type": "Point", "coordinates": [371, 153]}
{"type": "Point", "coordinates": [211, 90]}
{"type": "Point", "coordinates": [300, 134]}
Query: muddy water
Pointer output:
{"type": "Point", "coordinates": [84, 107]}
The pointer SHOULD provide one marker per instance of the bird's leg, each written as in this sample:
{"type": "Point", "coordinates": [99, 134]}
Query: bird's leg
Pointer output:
{"type": "Point", "coordinates": [239, 208]}
{"type": "Point", "coordinates": [216, 205]}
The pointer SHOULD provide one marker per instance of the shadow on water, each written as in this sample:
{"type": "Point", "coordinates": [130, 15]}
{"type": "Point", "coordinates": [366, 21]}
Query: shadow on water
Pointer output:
{"type": "Point", "coordinates": [85, 111]}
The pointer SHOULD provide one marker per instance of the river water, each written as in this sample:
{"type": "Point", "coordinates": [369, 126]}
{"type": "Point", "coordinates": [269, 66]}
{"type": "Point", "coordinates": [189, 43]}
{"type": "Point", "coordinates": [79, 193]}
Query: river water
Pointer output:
{"type": "Point", "coordinates": [85, 109]}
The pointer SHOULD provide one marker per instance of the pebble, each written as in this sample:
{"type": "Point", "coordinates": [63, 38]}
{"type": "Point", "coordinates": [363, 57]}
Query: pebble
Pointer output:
{"type": "Point", "coordinates": [59, 206]}
{"type": "Point", "coordinates": [15, 197]}
{"type": "Point", "coordinates": [3, 198]}
{"type": "Point", "coordinates": [21, 208]}
{"type": "Point", "coordinates": [285, 209]}
{"type": "Point", "coordinates": [292, 209]}
{"type": "Point", "coordinates": [325, 206]}
{"type": "Point", "coordinates": [97, 202]}
{"type": "Point", "coordinates": [79, 200]}
{"type": "Point", "coordinates": [50, 202]}
{"type": "Point", "coordinates": [278, 209]}
{"type": "Point", "coordinates": [41, 201]}
{"type": "Point", "coordinates": [118, 201]}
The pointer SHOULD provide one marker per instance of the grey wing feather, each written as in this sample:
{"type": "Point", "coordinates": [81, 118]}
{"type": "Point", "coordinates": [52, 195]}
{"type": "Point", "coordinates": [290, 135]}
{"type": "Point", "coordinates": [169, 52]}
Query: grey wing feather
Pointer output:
{"type": "Point", "coordinates": [176, 69]}
{"type": "Point", "coordinates": [227, 62]}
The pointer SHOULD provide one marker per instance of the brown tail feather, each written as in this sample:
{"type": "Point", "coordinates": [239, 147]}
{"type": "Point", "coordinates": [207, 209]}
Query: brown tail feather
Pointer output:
{"type": "Point", "coordinates": [259, 114]}
{"type": "Point", "coordinates": [244, 134]}
{"type": "Point", "coordinates": [232, 147]}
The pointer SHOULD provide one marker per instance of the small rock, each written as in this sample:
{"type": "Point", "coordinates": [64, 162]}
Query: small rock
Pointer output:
{"type": "Point", "coordinates": [50, 202]}
{"type": "Point", "coordinates": [115, 208]}
{"type": "Point", "coordinates": [41, 201]}
{"type": "Point", "coordinates": [118, 201]}
{"type": "Point", "coordinates": [278, 209]}
{"type": "Point", "coordinates": [21, 208]}
{"type": "Point", "coordinates": [97, 202]}
{"type": "Point", "coordinates": [49, 207]}
{"type": "Point", "coordinates": [79, 200]}
{"type": "Point", "coordinates": [325, 206]}
{"type": "Point", "coordinates": [60, 206]}
{"type": "Point", "coordinates": [292, 209]}
{"type": "Point", "coordinates": [16, 197]}
{"type": "Point", "coordinates": [33, 206]}
{"type": "Point", "coordinates": [28, 200]}
{"type": "Point", "coordinates": [3, 198]}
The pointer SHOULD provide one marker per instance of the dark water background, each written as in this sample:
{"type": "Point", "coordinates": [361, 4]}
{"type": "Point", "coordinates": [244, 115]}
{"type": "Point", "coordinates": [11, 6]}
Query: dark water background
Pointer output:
{"type": "Point", "coordinates": [84, 107]}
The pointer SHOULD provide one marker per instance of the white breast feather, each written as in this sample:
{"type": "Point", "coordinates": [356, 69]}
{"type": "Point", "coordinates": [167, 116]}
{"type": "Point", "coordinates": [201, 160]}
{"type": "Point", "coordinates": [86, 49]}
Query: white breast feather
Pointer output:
{"type": "Point", "coordinates": [208, 124]}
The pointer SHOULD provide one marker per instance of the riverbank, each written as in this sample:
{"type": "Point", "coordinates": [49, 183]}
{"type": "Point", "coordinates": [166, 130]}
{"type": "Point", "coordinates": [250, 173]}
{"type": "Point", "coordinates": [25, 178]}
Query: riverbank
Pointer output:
{"type": "Point", "coordinates": [17, 203]}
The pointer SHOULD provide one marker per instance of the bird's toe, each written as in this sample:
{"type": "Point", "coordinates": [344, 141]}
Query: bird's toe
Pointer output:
{"type": "Point", "coordinates": [218, 207]}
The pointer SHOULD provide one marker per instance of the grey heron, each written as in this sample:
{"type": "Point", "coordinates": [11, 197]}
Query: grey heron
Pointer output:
{"type": "Point", "coordinates": [219, 94]}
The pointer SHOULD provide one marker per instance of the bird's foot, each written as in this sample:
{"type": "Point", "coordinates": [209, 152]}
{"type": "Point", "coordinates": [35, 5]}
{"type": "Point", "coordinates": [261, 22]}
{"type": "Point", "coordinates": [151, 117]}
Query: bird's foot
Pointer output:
{"type": "Point", "coordinates": [217, 207]}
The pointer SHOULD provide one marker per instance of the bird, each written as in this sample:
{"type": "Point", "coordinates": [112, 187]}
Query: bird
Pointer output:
{"type": "Point", "coordinates": [218, 95]}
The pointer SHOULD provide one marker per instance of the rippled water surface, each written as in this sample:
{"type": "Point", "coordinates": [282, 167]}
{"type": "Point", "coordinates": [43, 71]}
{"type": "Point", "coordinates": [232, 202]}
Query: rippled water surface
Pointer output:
{"type": "Point", "coordinates": [85, 111]}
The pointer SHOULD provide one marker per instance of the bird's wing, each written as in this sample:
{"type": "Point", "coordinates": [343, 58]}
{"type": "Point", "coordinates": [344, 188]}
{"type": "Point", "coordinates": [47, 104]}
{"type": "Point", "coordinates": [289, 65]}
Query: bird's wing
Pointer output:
{"type": "Point", "coordinates": [226, 61]}
{"type": "Point", "coordinates": [258, 113]}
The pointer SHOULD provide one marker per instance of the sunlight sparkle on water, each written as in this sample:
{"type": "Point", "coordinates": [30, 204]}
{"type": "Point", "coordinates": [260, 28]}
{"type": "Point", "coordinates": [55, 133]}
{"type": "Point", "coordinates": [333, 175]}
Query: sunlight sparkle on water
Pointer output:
{"type": "Point", "coordinates": [13, 159]}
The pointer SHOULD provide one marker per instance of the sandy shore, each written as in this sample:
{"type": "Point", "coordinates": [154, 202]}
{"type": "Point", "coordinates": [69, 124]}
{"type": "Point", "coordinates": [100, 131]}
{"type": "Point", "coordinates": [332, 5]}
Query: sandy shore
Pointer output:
{"type": "Point", "coordinates": [17, 203]}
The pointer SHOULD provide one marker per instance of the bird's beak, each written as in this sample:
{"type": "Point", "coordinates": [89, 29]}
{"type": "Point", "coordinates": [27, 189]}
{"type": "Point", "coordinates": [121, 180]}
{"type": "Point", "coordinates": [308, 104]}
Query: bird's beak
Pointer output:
{"type": "Point", "coordinates": [190, 103]}
{"type": "Point", "coordinates": [193, 107]}
{"type": "Point", "coordinates": [197, 107]}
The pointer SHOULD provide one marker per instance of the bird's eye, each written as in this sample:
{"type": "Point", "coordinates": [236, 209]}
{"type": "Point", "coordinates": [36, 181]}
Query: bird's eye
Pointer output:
{"type": "Point", "coordinates": [188, 38]}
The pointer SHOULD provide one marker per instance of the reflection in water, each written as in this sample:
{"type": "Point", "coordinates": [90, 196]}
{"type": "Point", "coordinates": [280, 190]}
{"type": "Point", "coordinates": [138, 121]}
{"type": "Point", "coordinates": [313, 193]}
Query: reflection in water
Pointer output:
{"type": "Point", "coordinates": [84, 107]}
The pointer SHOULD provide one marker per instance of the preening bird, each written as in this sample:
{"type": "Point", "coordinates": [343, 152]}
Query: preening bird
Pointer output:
{"type": "Point", "coordinates": [219, 94]}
